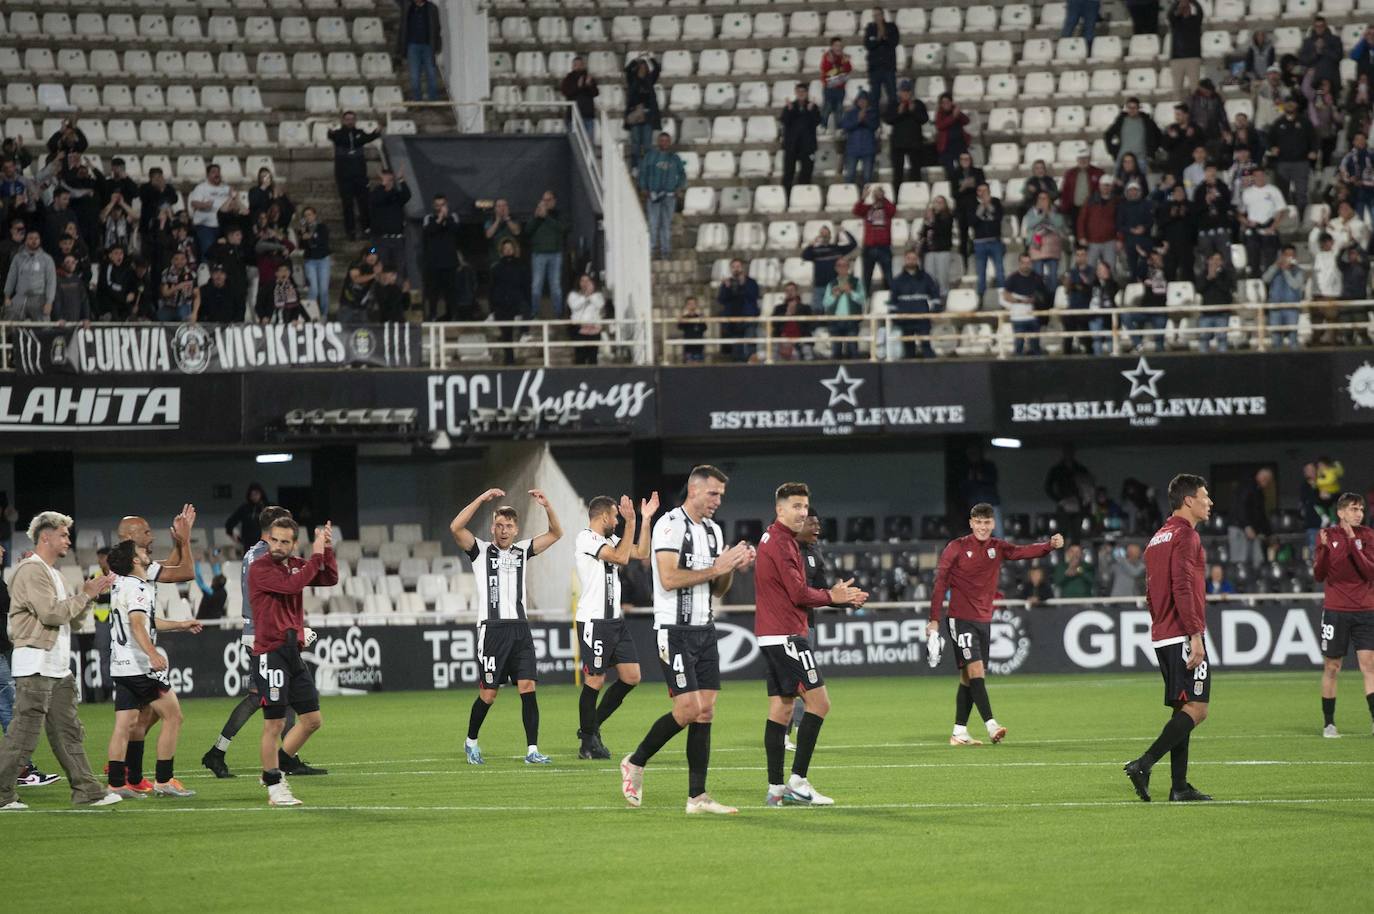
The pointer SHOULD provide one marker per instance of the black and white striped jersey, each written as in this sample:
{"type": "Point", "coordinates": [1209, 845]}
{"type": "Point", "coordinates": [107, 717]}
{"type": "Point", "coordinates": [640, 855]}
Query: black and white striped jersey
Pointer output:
{"type": "Point", "coordinates": [599, 581]}
{"type": "Point", "coordinates": [696, 546]}
{"type": "Point", "coordinates": [501, 582]}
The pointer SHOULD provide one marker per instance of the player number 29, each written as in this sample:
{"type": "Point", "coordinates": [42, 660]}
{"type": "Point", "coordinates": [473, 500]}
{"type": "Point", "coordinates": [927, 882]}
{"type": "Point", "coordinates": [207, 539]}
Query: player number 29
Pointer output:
{"type": "Point", "coordinates": [275, 679]}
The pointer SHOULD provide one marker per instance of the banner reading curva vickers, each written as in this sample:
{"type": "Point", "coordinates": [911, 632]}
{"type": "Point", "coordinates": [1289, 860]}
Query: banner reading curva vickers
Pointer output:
{"type": "Point", "coordinates": [212, 348]}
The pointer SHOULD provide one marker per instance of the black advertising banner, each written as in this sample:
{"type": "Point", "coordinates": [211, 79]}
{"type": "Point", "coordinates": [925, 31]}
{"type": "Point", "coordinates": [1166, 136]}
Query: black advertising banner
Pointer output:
{"type": "Point", "coordinates": [539, 402]}
{"type": "Point", "coordinates": [1163, 392]}
{"type": "Point", "coordinates": [213, 348]}
{"type": "Point", "coordinates": [1352, 387]}
{"type": "Point", "coordinates": [1046, 640]}
{"type": "Point", "coordinates": [860, 398]}
{"type": "Point", "coordinates": [937, 397]}
{"type": "Point", "coordinates": [620, 401]}
{"type": "Point", "coordinates": [60, 411]}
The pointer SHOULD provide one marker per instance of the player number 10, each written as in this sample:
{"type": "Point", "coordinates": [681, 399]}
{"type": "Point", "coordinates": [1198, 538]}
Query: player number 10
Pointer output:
{"type": "Point", "coordinates": [275, 679]}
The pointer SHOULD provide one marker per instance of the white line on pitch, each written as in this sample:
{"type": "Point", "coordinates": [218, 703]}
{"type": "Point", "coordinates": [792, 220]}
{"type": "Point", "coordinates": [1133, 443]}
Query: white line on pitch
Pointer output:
{"type": "Point", "coordinates": [603, 769]}
{"type": "Point", "coordinates": [161, 807]}
{"type": "Point", "coordinates": [823, 747]}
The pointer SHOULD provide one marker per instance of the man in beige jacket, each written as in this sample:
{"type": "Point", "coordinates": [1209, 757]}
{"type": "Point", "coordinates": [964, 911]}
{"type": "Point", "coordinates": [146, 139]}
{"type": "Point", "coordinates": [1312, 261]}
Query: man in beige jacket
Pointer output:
{"type": "Point", "coordinates": [41, 616]}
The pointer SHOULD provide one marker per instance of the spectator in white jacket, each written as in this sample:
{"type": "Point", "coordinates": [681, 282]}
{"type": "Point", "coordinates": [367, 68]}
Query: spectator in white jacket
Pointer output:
{"type": "Point", "coordinates": [586, 306]}
{"type": "Point", "coordinates": [1345, 228]}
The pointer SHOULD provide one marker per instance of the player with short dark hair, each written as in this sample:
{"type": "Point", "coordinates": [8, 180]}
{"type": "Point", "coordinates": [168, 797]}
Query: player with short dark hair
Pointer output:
{"type": "Point", "coordinates": [782, 600]}
{"type": "Point", "coordinates": [178, 568]}
{"type": "Point", "coordinates": [1344, 563]}
{"type": "Point", "coordinates": [968, 570]}
{"type": "Point", "coordinates": [691, 567]}
{"type": "Point", "coordinates": [275, 585]}
{"type": "Point", "coordinates": [505, 646]}
{"type": "Point", "coordinates": [249, 705]}
{"type": "Point", "coordinates": [600, 620]}
{"type": "Point", "coordinates": [817, 571]}
{"type": "Point", "coordinates": [1175, 591]}
{"type": "Point", "coordinates": [139, 672]}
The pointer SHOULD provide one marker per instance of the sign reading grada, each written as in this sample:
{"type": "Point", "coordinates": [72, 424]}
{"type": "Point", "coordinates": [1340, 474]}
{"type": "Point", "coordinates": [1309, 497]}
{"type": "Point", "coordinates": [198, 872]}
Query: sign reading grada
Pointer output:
{"type": "Point", "coordinates": [213, 348]}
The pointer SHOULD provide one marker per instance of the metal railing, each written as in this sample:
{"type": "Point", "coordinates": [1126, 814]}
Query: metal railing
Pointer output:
{"type": "Point", "coordinates": [881, 336]}
{"type": "Point", "coordinates": [453, 345]}
{"type": "Point", "coordinates": [449, 345]}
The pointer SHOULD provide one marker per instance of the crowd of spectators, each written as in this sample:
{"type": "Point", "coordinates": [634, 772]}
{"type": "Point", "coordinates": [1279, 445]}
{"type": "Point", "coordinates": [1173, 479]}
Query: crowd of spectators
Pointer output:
{"type": "Point", "coordinates": [1185, 191]}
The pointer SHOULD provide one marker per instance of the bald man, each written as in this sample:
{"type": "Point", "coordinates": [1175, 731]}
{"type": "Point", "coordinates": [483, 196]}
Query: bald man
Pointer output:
{"type": "Point", "coordinates": [180, 564]}
{"type": "Point", "coordinates": [179, 567]}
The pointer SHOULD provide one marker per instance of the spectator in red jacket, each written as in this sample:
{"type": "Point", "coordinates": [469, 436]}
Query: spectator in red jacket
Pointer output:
{"type": "Point", "coordinates": [835, 70]}
{"type": "Point", "coordinates": [1096, 224]}
{"type": "Point", "coordinates": [877, 217]}
{"type": "Point", "coordinates": [1077, 186]}
{"type": "Point", "coordinates": [950, 136]}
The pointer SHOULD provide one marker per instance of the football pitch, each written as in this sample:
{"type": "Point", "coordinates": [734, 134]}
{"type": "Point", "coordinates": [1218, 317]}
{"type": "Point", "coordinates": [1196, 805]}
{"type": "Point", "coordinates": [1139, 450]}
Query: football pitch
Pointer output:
{"type": "Point", "coordinates": [1043, 822]}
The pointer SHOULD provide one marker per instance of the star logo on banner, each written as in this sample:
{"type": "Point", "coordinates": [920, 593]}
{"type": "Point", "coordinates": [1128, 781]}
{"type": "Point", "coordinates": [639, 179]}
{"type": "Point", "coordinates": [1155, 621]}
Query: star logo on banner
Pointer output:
{"type": "Point", "coordinates": [842, 388]}
{"type": "Point", "coordinates": [1143, 379]}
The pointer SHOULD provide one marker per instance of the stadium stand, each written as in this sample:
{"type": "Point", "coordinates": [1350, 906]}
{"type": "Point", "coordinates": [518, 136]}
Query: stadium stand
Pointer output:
{"type": "Point", "coordinates": [1030, 92]}
{"type": "Point", "coordinates": [245, 87]}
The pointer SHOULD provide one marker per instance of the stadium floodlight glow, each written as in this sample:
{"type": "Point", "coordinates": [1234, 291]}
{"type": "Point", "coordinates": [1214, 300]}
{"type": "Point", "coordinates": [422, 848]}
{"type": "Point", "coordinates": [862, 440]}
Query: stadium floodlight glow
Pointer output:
{"type": "Point", "coordinates": [1006, 442]}
{"type": "Point", "coordinates": [275, 458]}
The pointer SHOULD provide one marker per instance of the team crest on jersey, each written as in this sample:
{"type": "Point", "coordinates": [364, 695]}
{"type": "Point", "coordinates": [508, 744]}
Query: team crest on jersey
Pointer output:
{"type": "Point", "coordinates": [992, 553]}
{"type": "Point", "coordinates": [969, 553]}
{"type": "Point", "coordinates": [682, 680]}
{"type": "Point", "coordinates": [811, 676]}
{"type": "Point", "coordinates": [274, 694]}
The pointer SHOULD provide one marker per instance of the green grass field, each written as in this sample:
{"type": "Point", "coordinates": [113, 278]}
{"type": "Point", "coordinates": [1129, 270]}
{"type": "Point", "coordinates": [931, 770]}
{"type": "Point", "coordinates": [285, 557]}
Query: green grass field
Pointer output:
{"type": "Point", "coordinates": [1044, 822]}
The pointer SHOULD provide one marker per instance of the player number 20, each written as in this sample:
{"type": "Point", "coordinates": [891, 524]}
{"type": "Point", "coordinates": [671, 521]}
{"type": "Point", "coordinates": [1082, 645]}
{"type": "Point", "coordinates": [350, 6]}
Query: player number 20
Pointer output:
{"type": "Point", "coordinates": [275, 679]}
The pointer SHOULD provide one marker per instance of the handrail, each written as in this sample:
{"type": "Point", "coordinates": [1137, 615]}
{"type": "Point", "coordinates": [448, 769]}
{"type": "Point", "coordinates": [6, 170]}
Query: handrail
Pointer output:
{"type": "Point", "coordinates": [446, 344]}
{"type": "Point", "coordinates": [1255, 328]}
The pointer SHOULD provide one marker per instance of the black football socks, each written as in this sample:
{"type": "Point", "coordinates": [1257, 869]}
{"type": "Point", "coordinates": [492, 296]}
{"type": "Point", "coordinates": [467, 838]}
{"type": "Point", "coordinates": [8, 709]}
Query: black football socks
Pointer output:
{"type": "Point", "coordinates": [807, 734]}
{"type": "Point", "coordinates": [610, 702]}
{"type": "Point", "coordinates": [774, 746]}
{"type": "Point", "coordinates": [963, 704]}
{"type": "Point", "coordinates": [133, 761]}
{"type": "Point", "coordinates": [529, 713]}
{"type": "Point", "coordinates": [1329, 711]}
{"type": "Point", "coordinates": [978, 689]}
{"type": "Point", "coordinates": [164, 770]}
{"type": "Point", "coordinates": [586, 711]}
{"type": "Point", "coordinates": [698, 758]}
{"type": "Point", "coordinates": [1175, 731]}
{"type": "Point", "coordinates": [479, 714]}
{"type": "Point", "coordinates": [663, 729]}
{"type": "Point", "coordinates": [1178, 763]}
